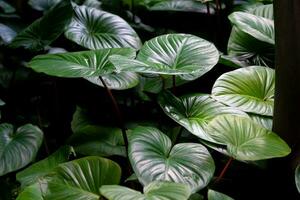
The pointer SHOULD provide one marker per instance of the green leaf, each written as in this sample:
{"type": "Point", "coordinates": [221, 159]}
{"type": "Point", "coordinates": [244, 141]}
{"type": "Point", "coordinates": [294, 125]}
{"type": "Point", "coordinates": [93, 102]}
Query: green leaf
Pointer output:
{"type": "Point", "coordinates": [259, 27]}
{"type": "Point", "coordinates": [297, 177]}
{"type": "Point", "coordinates": [194, 112]}
{"type": "Point", "coordinates": [264, 121]}
{"type": "Point", "coordinates": [117, 81]}
{"type": "Point", "coordinates": [245, 140]}
{"type": "Point", "coordinates": [32, 192]}
{"type": "Point", "coordinates": [172, 54]}
{"type": "Point", "coordinates": [7, 34]}
{"type": "Point", "coordinates": [214, 195]}
{"type": "Point", "coordinates": [39, 169]}
{"type": "Point", "coordinates": [43, 5]}
{"type": "Point", "coordinates": [179, 5]}
{"type": "Point", "coordinates": [265, 11]}
{"type": "Point", "coordinates": [45, 30]}
{"type": "Point", "coordinates": [78, 64]}
{"type": "Point", "coordinates": [18, 148]}
{"type": "Point", "coordinates": [154, 191]}
{"type": "Point", "coordinates": [6, 7]}
{"type": "Point", "coordinates": [97, 29]}
{"type": "Point", "coordinates": [81, 179]}
{"type": "Point", "coordinates": [2, 103]}
{"type": "Point", "coordinates": [153, 159]}
{"type": "Point", "coordinates": [249, 89]}
{"type": "Point", "coordinates": [91, 139]}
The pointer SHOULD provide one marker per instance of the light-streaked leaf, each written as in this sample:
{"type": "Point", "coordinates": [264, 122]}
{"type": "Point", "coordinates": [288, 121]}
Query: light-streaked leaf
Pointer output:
{"type": "Point", "coordinates": [81, 179]}
{"type": "Point", "coordinates": [195, 111]}
{"type": "Point", "coordinates": [32, 192]}
{"type": "Point", "coordinates": [297, 177]}
{"type": "Point", "coordinates": [172, 54]}
{"type": "Point", "coordinates": [153, 159]}
{"type": "Point", "coordinates": [249, 89]}
{"type": "Point", "coordinates": [259, 27]}
{"type": "Point", "coordinates": [97, 29]}
{"type": "Point", "coordinates": [265, 11]}
{"type": "Point", "coordinates": [46, 29]}
{"type": "Point", "coordinates": [245, 140]}
{"type": "Point", "coordinates": [39, 169]}
{"type": "Point", "coordinates": [214, 195]}
{"type": "Point", "coordinates": [43, 5]}
{"type": "Point", "coordinates": [154, 191]}
{"type": "Point", "coordinates": [18, 148]}
{"type": "Point", "coordinates": [7, 34]}
{"type": "Point", "coordinates": [179, 5]}
{"type": "Point", "coordinates": [78, 64]}
{"type": "Point", "coordinates": [264, 121]}
{"type": "Point", "coordinates": [117, 81]}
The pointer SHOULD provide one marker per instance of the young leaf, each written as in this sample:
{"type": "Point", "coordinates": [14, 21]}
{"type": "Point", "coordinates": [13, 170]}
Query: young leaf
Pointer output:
{"type": "Point", "coordinates": [82, 178]}
{"type": "Point", "coordinates": [78, 64]}
{"type": "Point", "coordinates": [245, 140]}
{"type": "Point", "coordinates": [249, 89]}
{"type": "Point", "coordinates": [18, 148]}
{"type": "Point", "coordinates": [153, 158]}
{"type": "Point", "coordinates": [155, 190]}
{"type": "Point", "coordinates": [97, 29]}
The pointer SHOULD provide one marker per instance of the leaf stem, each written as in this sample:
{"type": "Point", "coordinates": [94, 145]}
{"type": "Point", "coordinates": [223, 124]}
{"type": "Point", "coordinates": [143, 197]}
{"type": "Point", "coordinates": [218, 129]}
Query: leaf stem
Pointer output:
{"type": "Point", "coordinates": [224, 169]}
{"type": "Point", "coordinates": [117, 112]}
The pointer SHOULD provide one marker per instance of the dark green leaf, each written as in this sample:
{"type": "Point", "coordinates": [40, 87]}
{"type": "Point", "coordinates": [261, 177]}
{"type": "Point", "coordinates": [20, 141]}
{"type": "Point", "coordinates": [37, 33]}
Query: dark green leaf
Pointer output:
{"type": "Point", "coordinates": [18, 148]}
{"type": "Point", "coordinates": [78, 64]}
{"type": "Point", "coordinates": [154, 191]}
{"type": "Point", "coordinates": [43, 5]}
{"type": "Point", "coordinates": [153, 158]}
{"type": "Point", "coordinates": [245, 140]}
{"type": "Point", "coordinates": [6, 7]}
{"type": "Point", "coordinates": [97, 29]}
{"type": "Point", "coordinates": [179, 5]}
{"type": "Point", "coordinates": [44, 30]}
{"type": "Point", "coordinates": [249, 89]}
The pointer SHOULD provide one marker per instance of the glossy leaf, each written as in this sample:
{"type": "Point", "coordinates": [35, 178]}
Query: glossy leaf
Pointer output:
{"type": "Point", "coordinates": [259, 27]}
{"type": "Point", "coordinates": [153, 159]}
{"type": "Point", "coordinates": [39, 169]}
{"type": "Point", "coordinates": [81, 179]}
{"type": "Point", "coordinates": [264, 121]}
{"type": "Point", "coordinates": [297, 178]}
{"type": "Point", "coordinates": [194, 112]}
{"type": "Point", "coordinates": [172, 54]}
{"type": "Point", "coordinates": [265, 11]}
{"type": "Point", "coordinates": [18, 148]}
{"type": "Point", "coordinates": [214, 195]}
{"type": "Point", "coordinates": [179, 5]}
{"type": "Point", "coordinates": [245, 140]}
{"type": "Point", "coordinates": [33, 192]}
{"type": "Point", "coordinates": [78, 64]}
{"type": "Point", "coordinates": [44, 30]}
{"type": "Point", "coordinates": [97, 29]}
{"type": "Point", "coordinates": [43, 5]}
{"type": "Point", "coordinates": [117, 81]}
{"type": "Point", "coordinates": [249, 89]}
{"type": "Point", "coordinates": [153, 191]}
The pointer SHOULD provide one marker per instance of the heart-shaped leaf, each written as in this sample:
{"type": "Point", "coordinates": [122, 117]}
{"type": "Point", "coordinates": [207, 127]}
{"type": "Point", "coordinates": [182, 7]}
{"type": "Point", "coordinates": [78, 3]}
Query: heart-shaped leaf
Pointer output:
{"type": "Point", "coordinates": [18, 148]}
{"type": "Point", "coordinates": [78, 64]}
{"type": "Point", "coordinates": [172, 54]}
{"type": "Point", "coordinates": [82, 178]}
{"type": "Point", "coordinates": [258, 27]}
{"type": "Point", "coordinates": [214, 195]}
{"type": "Point", "coordinates": [153, 158]}
{"type": "Point", "coordinates": [97, 29]}
{"type": "Point", "coordinates": [154, 190]}
{"type": "Point", "coordinates": [117, 81]}
{"type": "Point", "coordinates": [46, 29]}
{"type": "Point", "coordinates": [31, 174]}
{"type": "Point", "coordinates": [194, 112]}
{"type": "Point", "coordinates": [245, 140]}
{"type": "Point", "coordinates": [249, 89]}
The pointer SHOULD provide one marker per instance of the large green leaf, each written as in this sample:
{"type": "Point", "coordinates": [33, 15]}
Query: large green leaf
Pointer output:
{"type": "Point", "coordinates": [81, 179]}
{"type": "Point", "coordinates": [259, 27]}
{"type": "Point", "coordinates": [31, 174]}
{"type": "Point", "coordinates": [18, 148]}
{"type": "Point", "coordinates": [46, 29]}
{"type": "Point", "coordinates": [179, 5]}
{"type": "Point", "coordinates": [43, 5]}
{"type": "Point", "coordinates": [32, 192]}
{"type": "Point", "coordinates": [214, 195]}
{"type": "Point", "coordinates": [172, 54]}
{"type": "Point", "coordinates": [249, 89]}
{"type": "Point", "coordinates": [117, 81]}
{"type": "Point", "coordinates": [264, 121]}
{"type": "Point", "coordinates": [195, 111]}
{"type": "Point", "coordinates": [297, 177]}
{"type": "Point", "coordinates": [78, 64]}
{"type": "Point", "coordinates": [90, 138]}
{"type": "Point", "coordinates": [265, 11]}
{"type": "Point", "coordinates": [153, 158]}
{"type": "Point", "coordinates": [246, 140]}
{"type": "Point", "coordinates": [97, 29]}
{"type": "Point", "coordinates": [154, 191]}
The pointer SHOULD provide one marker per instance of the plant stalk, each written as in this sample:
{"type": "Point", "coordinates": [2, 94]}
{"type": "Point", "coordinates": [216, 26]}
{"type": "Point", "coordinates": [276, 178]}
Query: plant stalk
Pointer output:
{"type": "Point", "coordinates": [224, 169]}
{"type": "Point", "coordinates": [208, 9]}
{"type": "Point", "coordinates": [117, 112]}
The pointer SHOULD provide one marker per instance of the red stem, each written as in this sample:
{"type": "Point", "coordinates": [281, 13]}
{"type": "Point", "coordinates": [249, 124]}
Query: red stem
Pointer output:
{"type": "Point", "coordinates": [224, 170]}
